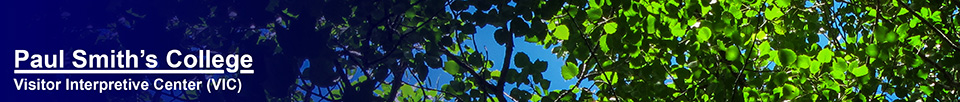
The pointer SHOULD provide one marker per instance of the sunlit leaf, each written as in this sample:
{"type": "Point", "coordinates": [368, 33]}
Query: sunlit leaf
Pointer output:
{"type": "Point", "coordinates": [704, 34]}
{"type": "Point", "coordinates": [562, 32]}
{"type": "Point", "coordinates": [569, 71]}
{"type": "Point", "coordinates": [610, 77]}
{"type": "Point", "coordinates": [451, 67]}
{"type": "Point", "coordinates": [804, 61]}
{"type": "Point", "coordinates": [604, 46]}
{"type": "Point", "coordinates": [860, 71]}
{"type": "Point", "coordinates": [901, 31]}
{"type": "Point", "coordinates": [839, 70]}
{"type": "Point", "coordinates": [926, 90]}
{"type": "Point", "coordinates": [772, 13]}
{"type": "Point", "coordinates": [815, 66]}
{"type": "Point", "coordinates": [825, 56]}
{"type": "Point", "coordinates": [610, 28]}
{"type": "Point", "coordinates": [733, 52]}
{"type": "Point", "coordinates": [783, 3]}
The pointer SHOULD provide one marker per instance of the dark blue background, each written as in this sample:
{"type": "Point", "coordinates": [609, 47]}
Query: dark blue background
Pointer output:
{"type": "Point", "coordinates": [39, 26]}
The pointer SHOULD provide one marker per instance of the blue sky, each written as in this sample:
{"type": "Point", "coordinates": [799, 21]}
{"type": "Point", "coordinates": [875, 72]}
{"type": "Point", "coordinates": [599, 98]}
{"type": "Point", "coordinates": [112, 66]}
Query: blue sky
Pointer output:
{"type": "Point", "coordinates": [487, 43]}
{"type": "Point", "coordinates": [485, 40]}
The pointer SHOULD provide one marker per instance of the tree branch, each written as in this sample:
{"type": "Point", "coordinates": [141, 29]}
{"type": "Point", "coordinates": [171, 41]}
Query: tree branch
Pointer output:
{"type": "Point", "coordinates": [930, 26]}
{"type": "Point", "coordinates": [397, 79]}
{"type": "Point", "coordinates": [949, 76]}
{"type": "Point", "coordinates": [506, 65]}
{"type": "Point", "coordinates": [310, 91]}
{"type": "Point", "coordinates": [592, 57]}
{"type": "Point", "coordinates": [411, 85]}
{"type": "Point", "coordinates": [484, 85]}
{"type": "Point", "coordinates": [344, 80]}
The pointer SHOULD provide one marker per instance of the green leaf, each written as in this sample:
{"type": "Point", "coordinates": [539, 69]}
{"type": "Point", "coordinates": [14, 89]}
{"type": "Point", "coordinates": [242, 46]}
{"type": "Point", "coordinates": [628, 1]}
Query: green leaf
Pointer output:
{"type": "Point", "coordinates": [772, 13]}
{"type": "Point", "coordinates": [839, 69]}
{"type": "Point", "coordinates": [406, 89]}
{"type": "Point", "coordinates": [787, 57]}
{"type": "Point", "coordinates": [764, 48]}
{"type": "Point", "coordinates": [825, 56]}
{"type": "Point", "coordinates": [630, 12]}
{"type": "Point", "coordinates": [751, 12]}
{"type": "Point", "coordinates": [452, 67]}
{"type": "Point", "coordinates": [924, 12]}
{"type": "Point", "coordinates": [804, 61]}
{"type": "Point", "coordinates": [815, 66]}
{"type": "Point", "coordinates": [446, 41]}
{"type": "Point", "coordinates": [832, 85]}
{"type": "Point", "coordinates": [914, 21]}
{"type": "Point", "coordinates": [872, 50]}
{"type": "Point", "coordinates": [603, 44]}
{"type": "Point", "coordinates": [733, 52]}
{"type": "Point", "coordinates": [517, 26]}
{"type": "Point", "coordinates": [901, 31]}
{"type": "Point", "coordinates": [734, 10]}
{"type": "Point", "coordinates": [535, 98]}
{"type": "Point", "coordinates": [521, 60]}
{"type": "Point", "coordinates": [783, 3]}
{"type": "Point", "coordinates": [562, 32]}
{"type": "Point", "coordinates": [677, 30]}
{"type": "Point", "coordinates": [903, 11]}
{"type": "Point", "coordinates": [538, 66]}
{"type": "Point", "coordinates": [779, 29]}
{"type": "Point", "coordinates": [610, 27]}
{"type": "Point", "coordinates": [761, 35]}
{"type": "Point", "coordinates": [860, 71]}
{"type": "Point", "coordinates": [881, 34]}
{"type": "Point", "coordinates": [609, 77]}
{"type": "Point", "coordinates": [545, 84]}
{"type": "Point", "coordinates": [704, 34]}
{"type": "Point", "coordinates": [594, 13]}
{"type": "Point", "coordinates": [790, 91]}
{"type": "Point", "coordinates": [651, 22]}
{"type": "Point", "coordinates": [569, 71]}
{"type": "Point", "coordinates": [926, 90]}
{"type": "Point", "coordinates": [922, 74]}
{"type": "Point", "coordinates": [290, 14]}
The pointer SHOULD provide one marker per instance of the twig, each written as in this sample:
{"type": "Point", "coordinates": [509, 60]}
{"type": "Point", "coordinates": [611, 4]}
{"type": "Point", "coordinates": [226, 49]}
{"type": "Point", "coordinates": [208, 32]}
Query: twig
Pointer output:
{"type": "Point", "coordinates": [508, 96]}
{"type": "Point", "coordinates": [463, 65]}
{"type": "Point", "coordinates": [930, 26]}
{"type": "Point", "coordinates": [949, 75]}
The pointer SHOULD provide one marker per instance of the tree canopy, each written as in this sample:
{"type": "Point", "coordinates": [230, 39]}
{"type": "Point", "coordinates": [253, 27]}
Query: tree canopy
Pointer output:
{"type": "Point", "coordinates": [615, 50]}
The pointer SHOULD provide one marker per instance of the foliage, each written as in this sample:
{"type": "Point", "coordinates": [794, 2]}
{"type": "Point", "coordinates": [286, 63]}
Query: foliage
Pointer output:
{"type": "Point", "coordinates": [706, 50]}
{"type": "Point", "coordinates": [733, 50]}
{"type": "Point", "coordinates": [689, 50]}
